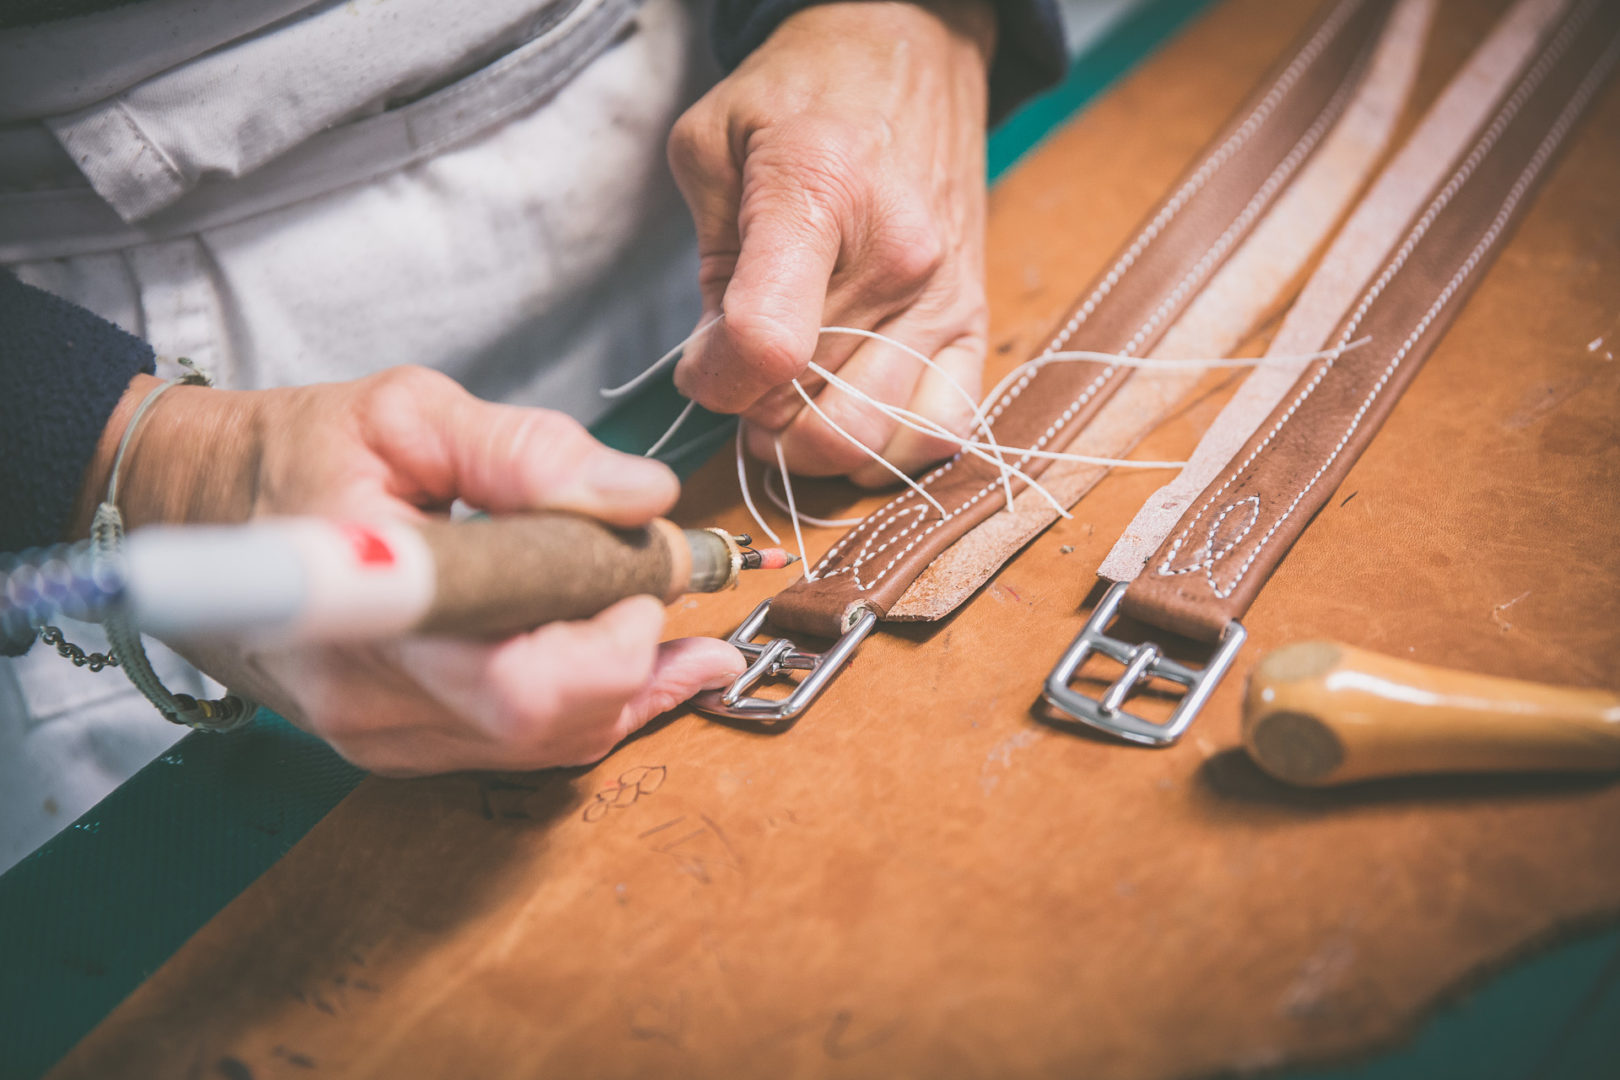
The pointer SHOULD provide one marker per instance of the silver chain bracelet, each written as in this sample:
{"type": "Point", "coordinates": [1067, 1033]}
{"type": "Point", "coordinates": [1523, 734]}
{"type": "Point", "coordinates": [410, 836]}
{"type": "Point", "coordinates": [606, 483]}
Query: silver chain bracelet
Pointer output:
{"type": "Point", "coordinates": [52, 635]}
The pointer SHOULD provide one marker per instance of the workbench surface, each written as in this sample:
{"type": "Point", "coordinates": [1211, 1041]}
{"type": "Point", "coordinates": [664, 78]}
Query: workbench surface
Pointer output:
{"type": "Point", "coordinates": [925, 876]}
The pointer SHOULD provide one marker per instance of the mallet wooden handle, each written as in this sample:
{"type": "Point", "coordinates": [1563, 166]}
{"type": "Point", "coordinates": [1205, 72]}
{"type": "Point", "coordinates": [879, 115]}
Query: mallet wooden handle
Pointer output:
{"type": "Point", "coordinates": [1319, 713]}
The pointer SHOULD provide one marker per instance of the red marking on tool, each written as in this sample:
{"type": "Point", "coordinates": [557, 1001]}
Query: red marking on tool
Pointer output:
{"type": "Point", "coordinates": [775, 558]}
{"type": "Point", "coordinates": [369, 548]}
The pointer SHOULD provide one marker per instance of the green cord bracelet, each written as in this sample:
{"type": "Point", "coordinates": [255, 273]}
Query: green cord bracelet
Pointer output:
{"type": "Point", "coordinates": [106, 534]}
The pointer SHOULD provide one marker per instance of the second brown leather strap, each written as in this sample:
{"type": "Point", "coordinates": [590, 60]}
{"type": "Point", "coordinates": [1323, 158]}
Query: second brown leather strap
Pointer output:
{"type": "Point", "coordinates": [1215, 562]}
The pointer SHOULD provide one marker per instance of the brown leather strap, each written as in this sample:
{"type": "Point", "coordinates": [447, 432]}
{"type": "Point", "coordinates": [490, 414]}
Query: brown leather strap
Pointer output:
{"type": "Point", "coordinates": [1255, 282]}
{"type": "Point", "coordinates": [1213, 565]}
{"type": "Point", "coordinates": [1357, 253]}
{"type": "Point", "coordinates": [1184, 242]}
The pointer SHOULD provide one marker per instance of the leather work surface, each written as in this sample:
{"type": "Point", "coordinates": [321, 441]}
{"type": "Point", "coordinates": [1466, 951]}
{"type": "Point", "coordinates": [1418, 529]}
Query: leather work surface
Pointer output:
{"type": "Point", "coordinates": [924, 875]}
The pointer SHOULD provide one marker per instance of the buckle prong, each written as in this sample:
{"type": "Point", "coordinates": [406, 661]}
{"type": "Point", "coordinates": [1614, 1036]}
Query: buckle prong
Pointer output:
{"type": "Point", "coordinates": [1143, 662]}
{"type": "Point", "coordinates": [766, 665]}
{"type": "Point", "coordinates": [769, 659]}
{"type": "Point", "coordinates": [1143, 657]}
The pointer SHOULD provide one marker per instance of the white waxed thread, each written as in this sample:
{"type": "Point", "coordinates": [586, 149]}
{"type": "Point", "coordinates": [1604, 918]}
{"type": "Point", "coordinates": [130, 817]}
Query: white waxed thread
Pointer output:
{"type": "Point", "coordinates": [976, 407]}
{"type": "Point", "coordinates": [1030, 367]}
{"type": "Point", "coordinates": [669, 432]}
{"type": "Point", "coordinates": [869, 452]}
{"type": "Point", "coordinates": [748, 499]}
{"type": "Point", "coordinates": [1210, 362]}
{"type": "Point", "coordinates": [808, 519]}
{"type": "Point", "coordinates": [709, 439]}
{"type": "Point", "coordinates": [658, 365]}
{"type": "Point", "coordinates": [916, 422]}
{"type": "Point", "coordinates": [793, 512]}
{"type": "Point", "coordinates": [991, 446]}
{"type": "Point", "coordinates": [977, 449]}
{"type": "Point", "coordinates": [989, 451]}
{"type": "Point", "coordinates": [910, 419]}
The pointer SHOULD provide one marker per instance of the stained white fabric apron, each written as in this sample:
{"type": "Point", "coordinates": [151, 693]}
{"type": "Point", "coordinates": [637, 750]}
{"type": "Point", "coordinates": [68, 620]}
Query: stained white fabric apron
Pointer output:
{"type": "Point", "coordinates": [322, 191]}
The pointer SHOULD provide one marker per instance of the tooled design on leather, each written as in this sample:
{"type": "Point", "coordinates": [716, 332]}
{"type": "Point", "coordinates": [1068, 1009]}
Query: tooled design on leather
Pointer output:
{"type": "Point", "coordinates": [1555, 135]}
{"type": "Point", "coordinates": [896, 508]}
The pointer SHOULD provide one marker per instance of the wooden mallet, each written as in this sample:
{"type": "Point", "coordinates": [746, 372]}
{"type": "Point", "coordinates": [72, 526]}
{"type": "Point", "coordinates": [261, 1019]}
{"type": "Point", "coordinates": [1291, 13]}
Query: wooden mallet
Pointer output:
{"type": "Point", "coordinates": [1320, 713]}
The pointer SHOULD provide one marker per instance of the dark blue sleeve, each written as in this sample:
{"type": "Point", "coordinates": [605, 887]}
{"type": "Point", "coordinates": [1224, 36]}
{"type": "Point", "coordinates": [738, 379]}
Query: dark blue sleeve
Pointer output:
{"type": "Point", "coordinates": [1030, 54]}
{"type": "Point", "coordinates": [62, 371]}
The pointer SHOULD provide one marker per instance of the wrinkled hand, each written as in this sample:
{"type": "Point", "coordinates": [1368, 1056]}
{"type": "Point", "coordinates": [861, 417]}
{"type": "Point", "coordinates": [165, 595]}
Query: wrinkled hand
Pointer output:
{"type": "Point", "coordinates": [396, 445]}
{"type": "Point", "coordinates": [837, 177]}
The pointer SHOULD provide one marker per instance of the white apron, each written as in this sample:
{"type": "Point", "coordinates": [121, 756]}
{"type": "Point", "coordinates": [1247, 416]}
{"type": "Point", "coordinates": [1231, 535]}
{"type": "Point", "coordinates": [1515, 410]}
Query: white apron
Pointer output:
{"type": "Point", "coordinates": [316, 191]}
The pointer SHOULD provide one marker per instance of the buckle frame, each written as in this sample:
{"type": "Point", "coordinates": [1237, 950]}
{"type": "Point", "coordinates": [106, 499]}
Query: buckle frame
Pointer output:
{"type": "Point", "coordinates": [1142, 662]}
{"type": "Point", "coordinates": [771, 658]}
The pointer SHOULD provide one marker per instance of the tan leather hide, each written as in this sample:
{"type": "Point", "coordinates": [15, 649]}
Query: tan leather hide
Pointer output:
{"type": "Point", "coordinates": [922, 877]}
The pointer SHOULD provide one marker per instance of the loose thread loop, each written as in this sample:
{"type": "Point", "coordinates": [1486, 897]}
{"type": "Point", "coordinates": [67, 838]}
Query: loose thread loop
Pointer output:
{"type": "Point", "coordinates": [977, 407]}
{"type": "Point", "coordinates": [1032, 366]}
{"type": "Point", "coordinates": [748, 498]}
{"type": "Point", "coordinates": [793, 511]}
{"type": "Point", "coordinates": [658, 365]}
{"type": "Point", "coordinates": [669, 432]}
{"type": "Point", "coordinates": [808, 519]}
{"type": "Point", "coordinates": [869, 452]}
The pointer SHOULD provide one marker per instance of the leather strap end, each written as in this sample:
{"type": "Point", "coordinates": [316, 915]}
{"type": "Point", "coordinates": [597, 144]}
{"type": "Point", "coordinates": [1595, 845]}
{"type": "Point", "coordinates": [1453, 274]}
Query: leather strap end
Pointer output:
{"type": "Point", "coordinates": [819, 620]}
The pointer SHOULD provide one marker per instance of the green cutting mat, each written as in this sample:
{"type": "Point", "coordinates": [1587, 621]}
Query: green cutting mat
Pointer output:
{"type": "Point", "coordinates": [100, 907]}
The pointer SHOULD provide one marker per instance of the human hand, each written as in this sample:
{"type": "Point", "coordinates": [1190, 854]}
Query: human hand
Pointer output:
{"type": "Point", "coordinates": [837, 177]}
{"type": "Point", "coordinates": [397, 445]}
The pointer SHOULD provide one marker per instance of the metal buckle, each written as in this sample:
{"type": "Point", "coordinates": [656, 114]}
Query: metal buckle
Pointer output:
{"type": "Point", "coordinates": [1142, 662]}
{"type": "Point", "coordinates": [770, 659]}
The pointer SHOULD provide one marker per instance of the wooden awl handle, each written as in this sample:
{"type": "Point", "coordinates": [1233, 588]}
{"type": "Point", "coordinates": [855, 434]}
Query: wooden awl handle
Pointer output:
{"type": "Point", "coordinates": [1320, 713]}
{"type": "Point", "coordinates": [281, 581]}
{"type": "Point", "coordinates": [502, 575]}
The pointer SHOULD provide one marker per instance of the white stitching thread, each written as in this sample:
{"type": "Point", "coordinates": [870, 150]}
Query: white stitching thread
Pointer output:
{"type": "Point", "coordinates": [1279, 176]}
{"type": "Point", "coordinates": [1252, 124]}
{"type": "Point", "coordinates": [1528, 85]}
{"type": "Point", "coordinates": [1210, 554]}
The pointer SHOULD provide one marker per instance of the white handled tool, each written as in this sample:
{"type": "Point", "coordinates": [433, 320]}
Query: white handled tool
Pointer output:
{"type": "Point", "coordinates": [311, 579]}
